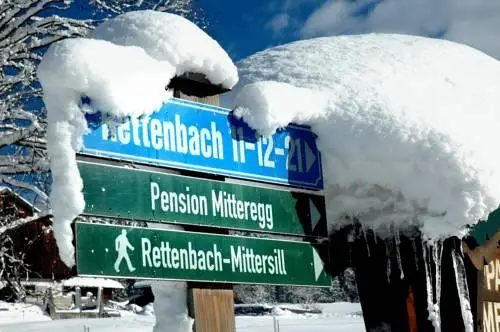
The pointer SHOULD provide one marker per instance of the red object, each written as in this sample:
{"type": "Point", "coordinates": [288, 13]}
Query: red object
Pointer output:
{"type": "Point", "coordinates": [410, 308]}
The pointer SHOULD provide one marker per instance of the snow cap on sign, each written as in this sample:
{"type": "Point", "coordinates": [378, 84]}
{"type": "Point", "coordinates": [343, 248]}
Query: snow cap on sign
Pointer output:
{"type": "Point", "coordinates": [174, 39]}
{"type": "Point", "coordinates": [407, 132]}
{"type": "Point", "coordinates": [121, 80]}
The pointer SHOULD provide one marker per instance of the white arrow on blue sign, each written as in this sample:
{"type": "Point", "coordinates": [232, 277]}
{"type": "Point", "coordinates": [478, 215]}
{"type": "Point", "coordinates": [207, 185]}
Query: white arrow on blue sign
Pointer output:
{"type": "Point", "coordinates": [204, 138]}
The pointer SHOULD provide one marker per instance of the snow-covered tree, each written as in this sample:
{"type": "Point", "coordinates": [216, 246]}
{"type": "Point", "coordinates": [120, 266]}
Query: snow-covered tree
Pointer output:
{"type": "Point", "coordinates": [27, 28]}
{"type": "Point", "coordinates": [185, 8]}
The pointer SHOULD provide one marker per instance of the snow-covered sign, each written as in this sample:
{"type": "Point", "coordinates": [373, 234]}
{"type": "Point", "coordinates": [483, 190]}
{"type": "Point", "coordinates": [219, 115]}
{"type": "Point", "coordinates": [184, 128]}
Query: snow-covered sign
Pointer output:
{"type": "Point", "coordinates": [123, 68]}
{"type": "Point", "coordinates": [210, 139]}
{"type": "Point", "coordinates": [407, 126]}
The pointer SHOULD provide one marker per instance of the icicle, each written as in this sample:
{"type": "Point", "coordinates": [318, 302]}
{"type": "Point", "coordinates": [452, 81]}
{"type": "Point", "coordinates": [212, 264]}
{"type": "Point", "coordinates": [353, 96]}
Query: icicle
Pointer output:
{"type": "Point", "coordinates": [389, 268]}
{"type": "Point", "coordinates": [432, 308]}
{"type": "Point", "coordinates": [414, 246]}
{"type": "Point", "coordinates": [463, 291]}
{"type": "Point", "coordinates": [428, 285]}
{"type": "Point", "coordinates": [398, 254]}
{"type": "Point", "coordinates": [366, 240]}
{"type": "Point", "coordinates": [437, 254]}
{"type": "Point", "coordinates": [374, 235]}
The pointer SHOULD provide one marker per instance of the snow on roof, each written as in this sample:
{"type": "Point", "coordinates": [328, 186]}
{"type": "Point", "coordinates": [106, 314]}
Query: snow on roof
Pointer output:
{"type": "Point", "coordinates": [142, 283]}
{"type": "Point", "coordinates": [174, 39]}
{"type": "Point", "coordinates": [39, 283]}
{"type": "Point", "coordinates": [92, 282]}
{"type": "Point", "coordinates": [123, 70]}
{"type": "Point", "coordinates": [14, 193]}
{"type": "Point", "coordinates": [408, 134]}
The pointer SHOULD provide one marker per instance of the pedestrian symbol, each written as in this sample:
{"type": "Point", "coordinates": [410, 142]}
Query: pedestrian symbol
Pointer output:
{"type": "Point", "coordinates": [121, 246]}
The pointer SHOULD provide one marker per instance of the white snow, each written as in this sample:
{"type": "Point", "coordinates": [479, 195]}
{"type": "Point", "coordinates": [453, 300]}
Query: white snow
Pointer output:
{"type": "Point", "coordinates": [124, 71]}
{"type": "Point", "coordinates": [14, 313]}
{"type": "Point", "coordinates": [268, 113]}
{"type": "Point", "coordinates": [142, 283]}
{"type": "Point", "coordinates": [408, 134]}
{"type": "Point", "coordinates": [188, 49]}
{"type": "Point", "coordinates": [463, 290]}
{"type": "Point", "coordinates": [433, 302]}
{"type": "Point", "coordinates": [123, 80]}
{"type": "Point", "coordinates": [170, 307]}
{"type": "Point", "coordinates": [336, 317]}
{"type": "Point", "coordinates": [92, 282]}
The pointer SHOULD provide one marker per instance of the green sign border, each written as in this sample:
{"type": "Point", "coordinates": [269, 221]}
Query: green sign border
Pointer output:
{"type": "Point", "coordinates": [322, 280]}
{"type": "Point", "coordinates": [296, 213]}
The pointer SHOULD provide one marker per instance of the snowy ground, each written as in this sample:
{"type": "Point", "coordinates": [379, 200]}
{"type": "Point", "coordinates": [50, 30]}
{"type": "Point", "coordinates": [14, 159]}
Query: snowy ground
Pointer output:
{"type": "Point", "coordinates": [336, 317]}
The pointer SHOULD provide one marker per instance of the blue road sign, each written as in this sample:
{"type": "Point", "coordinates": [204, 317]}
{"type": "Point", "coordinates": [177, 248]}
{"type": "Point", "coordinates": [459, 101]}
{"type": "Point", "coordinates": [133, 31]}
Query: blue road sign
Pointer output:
{"type": "Point", "coordinates": [204, 138]}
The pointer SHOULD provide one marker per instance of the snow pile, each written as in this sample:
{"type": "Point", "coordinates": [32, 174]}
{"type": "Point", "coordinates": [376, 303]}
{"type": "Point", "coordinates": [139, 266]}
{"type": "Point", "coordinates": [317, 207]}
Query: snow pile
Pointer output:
{"type": "Point", "coordinates": [407, 132]}
{"type": "Point", "coordinates": [170, 307]}
{"type": "Point", "coordinates": [277, 311]}
{"type": "Point", "coordinates": [123, 80]}
{"type": "Point", "coordinates": [268, 113]}
{"type": "Point", "coordinates": [21, 312]}
{"type": "Point", "coordinates": [189, 49]}
{"type": "Point", "coordinates": [92, 282]}
{"type": "Point", "coordinates": [124, 71]}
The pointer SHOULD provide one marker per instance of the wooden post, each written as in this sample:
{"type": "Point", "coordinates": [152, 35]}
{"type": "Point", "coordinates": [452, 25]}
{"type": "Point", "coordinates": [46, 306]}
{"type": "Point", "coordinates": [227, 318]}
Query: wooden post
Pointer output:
{"type": "Point", "coordinates": [100, 302]}
{"type": "Point", "coordinates": [78, 298]}
{"type": "Point", "coordinates": [51, 305]}
{"type": "Point", "coordinates": [212, 306]}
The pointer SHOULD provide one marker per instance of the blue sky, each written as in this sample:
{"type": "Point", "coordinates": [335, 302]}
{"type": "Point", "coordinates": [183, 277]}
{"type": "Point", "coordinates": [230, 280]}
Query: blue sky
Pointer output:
{"type": "Point", "coordinates": [244, 27]}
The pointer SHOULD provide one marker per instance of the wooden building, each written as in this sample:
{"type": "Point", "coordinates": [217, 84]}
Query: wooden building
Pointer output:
{"type": "Point", "coordinates": [31, 237]}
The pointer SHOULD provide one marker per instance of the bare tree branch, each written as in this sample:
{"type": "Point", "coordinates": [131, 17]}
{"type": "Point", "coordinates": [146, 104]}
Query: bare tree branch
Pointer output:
{"type": "Point", "coordinates": [20, 222]}
{"type": "Point", "coordinates": [27, 28]}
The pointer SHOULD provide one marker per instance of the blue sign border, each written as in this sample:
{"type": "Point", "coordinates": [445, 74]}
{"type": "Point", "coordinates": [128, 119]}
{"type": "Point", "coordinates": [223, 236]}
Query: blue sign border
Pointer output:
{"type": "Point", "coordinates": [95, 120]}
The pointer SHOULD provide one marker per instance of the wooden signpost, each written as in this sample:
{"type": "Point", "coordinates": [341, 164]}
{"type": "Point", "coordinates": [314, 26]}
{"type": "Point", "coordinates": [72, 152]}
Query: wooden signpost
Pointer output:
{"type": "Point", "coordinates": [489, 297]}
{"type": "Point", "coordinates": [204, 141]}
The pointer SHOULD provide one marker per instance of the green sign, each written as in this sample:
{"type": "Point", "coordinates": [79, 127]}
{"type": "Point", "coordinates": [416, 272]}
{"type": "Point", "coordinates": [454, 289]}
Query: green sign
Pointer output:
{"type": "Point", "coordinates": [486, 229]}
{"type": "Point", "coordinates": [113, 191]}
{"type": "Point", "coordinates": [130, 252]}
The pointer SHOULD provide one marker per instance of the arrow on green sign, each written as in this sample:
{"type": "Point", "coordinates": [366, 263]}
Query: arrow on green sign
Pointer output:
{"type": "Point", "coordinates": [119, 192]}
{"type": "Point", "coordinates": [319, 266]}
{"type": "Point", "coordinates": [315, 215]}
{"type": "Point", "coordinates": [137, 252]}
